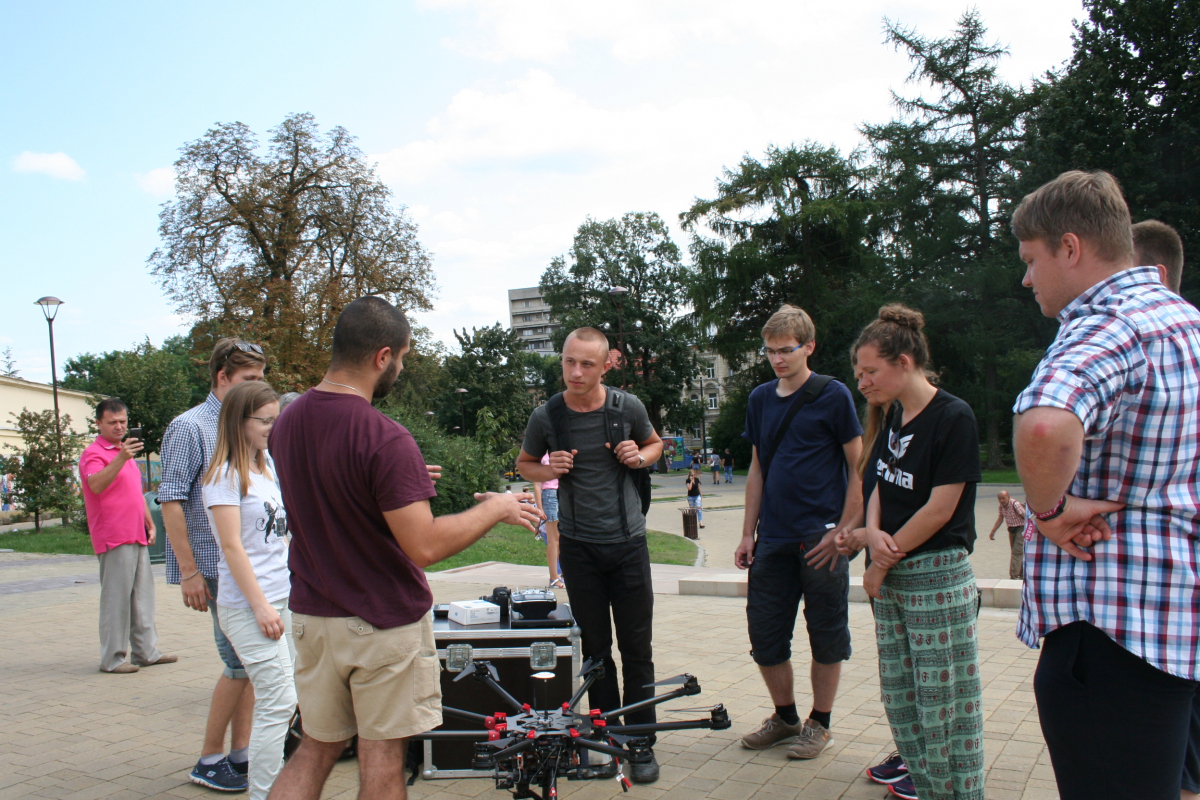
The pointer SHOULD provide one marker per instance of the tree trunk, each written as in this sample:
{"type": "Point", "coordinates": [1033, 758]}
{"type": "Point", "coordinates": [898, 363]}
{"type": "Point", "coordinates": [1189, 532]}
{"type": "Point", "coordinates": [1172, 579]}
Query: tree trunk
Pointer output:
{"type": "Point", "coordinates": [992, 415]}
{"type": "Point", "coordinates": [37, 522]}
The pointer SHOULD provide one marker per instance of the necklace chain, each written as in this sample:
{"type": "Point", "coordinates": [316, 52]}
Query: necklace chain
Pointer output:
{"type": "Point", "coordinates": [344, 386]}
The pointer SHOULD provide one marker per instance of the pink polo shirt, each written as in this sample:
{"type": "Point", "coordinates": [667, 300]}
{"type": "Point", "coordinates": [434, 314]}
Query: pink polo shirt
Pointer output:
{"type": "Point", "coordinates": [117, 515]}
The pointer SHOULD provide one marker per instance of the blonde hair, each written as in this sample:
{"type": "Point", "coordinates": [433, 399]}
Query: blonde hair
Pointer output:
{"type": "Point", "coordinates": [232, 450]}
{"type": "Point", "coordinates": [790, 321]}
{"type": "Point", "coordinates": [1087, 204]}
{"type": "Point", "coordinates": [226, 355]}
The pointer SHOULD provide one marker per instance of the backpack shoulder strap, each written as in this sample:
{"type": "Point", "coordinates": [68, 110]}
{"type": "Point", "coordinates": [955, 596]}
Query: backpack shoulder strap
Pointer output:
{"type": "Point", "coordinates": [614, 425]}
{"type": "Point", "coordinates": [811, 391]}
{"type": "Point", "coordinates": [556, 409]}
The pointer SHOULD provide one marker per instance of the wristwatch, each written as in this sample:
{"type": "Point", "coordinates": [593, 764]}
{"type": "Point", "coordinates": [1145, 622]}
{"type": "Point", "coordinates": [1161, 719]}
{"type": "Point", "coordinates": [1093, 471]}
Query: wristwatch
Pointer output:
{"type": "Point", "coordinates": [641, 461]}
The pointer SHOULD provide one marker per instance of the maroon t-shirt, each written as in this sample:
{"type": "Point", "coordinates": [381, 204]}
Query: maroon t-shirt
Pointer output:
{"type": "Point", "coordinates": [341, 464]}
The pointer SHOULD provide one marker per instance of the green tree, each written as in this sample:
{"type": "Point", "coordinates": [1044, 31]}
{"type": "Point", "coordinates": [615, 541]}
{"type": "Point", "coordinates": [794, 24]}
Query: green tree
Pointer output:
{"type": "Point", "coordinates": [945, 168]}
{"type": "Point", "coordinates": [491, 366]}
{"type": "Point", "coordinates": [8, 364]}
{"type": "Point", "coordinates": [271, 245]}
{"type": "Point", "coordinates": [1128, 102]}
{"type": "Point", "coordinates": [153, 382]}
{"type": "Point", "coordinates": [424, 377]}
{"type": "Point", "coordinates": [41, 481]}
{"type": "Point", "coordinates": [634, 252]}
{"type": "Point", "coordinates": [795, 227]}
{"type": "Point", "coordinates": [194, 368]}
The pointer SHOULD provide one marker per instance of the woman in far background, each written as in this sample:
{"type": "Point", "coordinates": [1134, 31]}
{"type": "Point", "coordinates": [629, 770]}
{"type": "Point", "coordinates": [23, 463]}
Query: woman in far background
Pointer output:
{"type": "Point", "coordinates": [546, 496]}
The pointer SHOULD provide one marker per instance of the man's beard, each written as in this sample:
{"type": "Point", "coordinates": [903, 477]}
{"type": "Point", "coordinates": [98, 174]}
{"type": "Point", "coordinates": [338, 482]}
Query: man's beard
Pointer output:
{"type": "Point", "coordinates": [384, 384]}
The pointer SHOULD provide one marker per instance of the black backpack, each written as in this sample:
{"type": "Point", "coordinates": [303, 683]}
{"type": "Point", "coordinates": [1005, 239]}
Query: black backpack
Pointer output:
{"type": "Point", "coordinates": [619, 427]}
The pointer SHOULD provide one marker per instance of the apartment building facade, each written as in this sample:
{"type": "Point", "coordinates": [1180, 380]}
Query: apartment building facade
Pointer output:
{"type": "Point", "coordinates": [529, 318]}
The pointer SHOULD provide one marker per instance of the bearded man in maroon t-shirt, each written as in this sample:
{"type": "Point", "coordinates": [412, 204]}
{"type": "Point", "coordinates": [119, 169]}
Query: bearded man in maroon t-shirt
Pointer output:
{"type": "Point", "coordinates": [357, 491]}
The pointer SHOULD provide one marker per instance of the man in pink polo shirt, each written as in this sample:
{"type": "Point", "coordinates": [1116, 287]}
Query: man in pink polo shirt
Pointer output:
{"type": "Point", "coordinates": [121, 527]}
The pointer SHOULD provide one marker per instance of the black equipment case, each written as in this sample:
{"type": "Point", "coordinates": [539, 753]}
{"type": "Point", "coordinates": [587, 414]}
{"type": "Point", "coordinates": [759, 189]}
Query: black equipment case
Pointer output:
{"type": "Point", "coordinates": [508, 649]}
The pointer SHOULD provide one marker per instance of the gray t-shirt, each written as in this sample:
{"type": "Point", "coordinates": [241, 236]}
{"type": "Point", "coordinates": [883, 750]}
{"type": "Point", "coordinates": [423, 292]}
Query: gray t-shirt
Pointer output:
{"type": "Point", "coordinates": [587, 495]}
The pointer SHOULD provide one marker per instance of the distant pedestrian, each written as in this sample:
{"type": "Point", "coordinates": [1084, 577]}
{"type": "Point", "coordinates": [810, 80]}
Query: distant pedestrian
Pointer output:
{"type": "Point", "coordinates": [694, 495]}
{"type": "Point", "coordinates": [546, 495]}
{"type": "Point", "coordinates": [245, 508]}
{"type": "Point", "coordinates": [1012, 515]}
{"type": "Point", "coordinates": [727, 462]}
{"type": "Point", "coordinates": [121, 527]}
{"type": "Point", "coordinates": [714, 462]}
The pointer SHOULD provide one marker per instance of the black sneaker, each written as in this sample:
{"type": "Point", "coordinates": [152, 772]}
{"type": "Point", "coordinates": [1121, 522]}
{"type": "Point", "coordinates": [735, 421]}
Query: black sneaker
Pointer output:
{"type": "Point", "coordinates": [646, 772]}
{"type": "Point", "coordinates": [220, 776]}
{"type": "Point", "coordinates": [889, 771]}
{"type": "Point", "coordinates": [904, 789]}
{"type": "Point", "coordinates": [240, 767]}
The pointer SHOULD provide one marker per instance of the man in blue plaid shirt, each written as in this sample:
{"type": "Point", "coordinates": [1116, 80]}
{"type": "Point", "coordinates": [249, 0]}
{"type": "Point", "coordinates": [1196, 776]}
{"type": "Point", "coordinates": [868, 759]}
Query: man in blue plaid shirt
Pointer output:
{"type": "Point", "coordinates": [192, 555]}
{"type": "Point", "coordinates": [1107, 440]}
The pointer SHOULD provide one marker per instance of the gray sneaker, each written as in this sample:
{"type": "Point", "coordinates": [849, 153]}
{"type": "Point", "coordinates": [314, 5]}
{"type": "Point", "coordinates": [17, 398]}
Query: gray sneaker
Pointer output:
{"type": "Point", "coordinates": [813, 739]}
{"type": "Point", "coordinates": [772, 732]}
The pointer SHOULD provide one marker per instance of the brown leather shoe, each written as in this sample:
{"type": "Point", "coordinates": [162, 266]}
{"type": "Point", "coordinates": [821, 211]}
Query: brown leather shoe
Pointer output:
{"type": "Point", "coordinates": [161, 660]}
{"type": "Point", "coordinates": [123, 669]}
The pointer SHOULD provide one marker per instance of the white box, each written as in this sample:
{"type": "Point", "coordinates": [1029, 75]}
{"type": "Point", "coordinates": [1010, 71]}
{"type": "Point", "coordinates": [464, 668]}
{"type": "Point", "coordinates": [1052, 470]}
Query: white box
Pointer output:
{"type": "Point", "coordinates": [474, 612]}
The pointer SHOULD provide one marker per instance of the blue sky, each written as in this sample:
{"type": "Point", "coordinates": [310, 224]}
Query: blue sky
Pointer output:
{"type": "Point", "coordinates": [500, 124]}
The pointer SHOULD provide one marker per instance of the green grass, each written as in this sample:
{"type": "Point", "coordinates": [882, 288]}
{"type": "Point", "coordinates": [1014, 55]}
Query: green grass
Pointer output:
{"type": "Point", "coordinates": [515, 545]}
{"type": "Point", "coordinates": [1000, 476]}
{"type": "Point", "coordinates": [57, 539]}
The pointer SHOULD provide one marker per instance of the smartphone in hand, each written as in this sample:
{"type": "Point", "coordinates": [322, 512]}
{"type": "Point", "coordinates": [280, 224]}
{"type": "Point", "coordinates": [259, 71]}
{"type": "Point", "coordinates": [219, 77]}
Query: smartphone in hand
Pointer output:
{"type": "Point", "coordinates": [134, 433]}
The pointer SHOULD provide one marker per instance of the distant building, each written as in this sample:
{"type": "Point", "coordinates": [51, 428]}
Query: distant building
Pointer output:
{"type": "Point", "coordinates": [529, 317]}
{"type": "Point", "coordinates": [18, 394]}
{"type": "Point", "coordinates": [710, 389]}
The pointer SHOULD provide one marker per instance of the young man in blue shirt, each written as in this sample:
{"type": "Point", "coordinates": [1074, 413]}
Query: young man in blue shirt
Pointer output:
{"type": "Point", "coordinates": [795, 507]}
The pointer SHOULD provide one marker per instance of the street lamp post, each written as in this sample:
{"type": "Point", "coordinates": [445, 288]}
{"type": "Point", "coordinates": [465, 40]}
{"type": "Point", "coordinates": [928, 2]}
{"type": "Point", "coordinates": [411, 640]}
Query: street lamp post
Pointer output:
{"type": "Point", "coordinates": [50, 311]}
{"type": "Point", "coordinates": [462, 408]}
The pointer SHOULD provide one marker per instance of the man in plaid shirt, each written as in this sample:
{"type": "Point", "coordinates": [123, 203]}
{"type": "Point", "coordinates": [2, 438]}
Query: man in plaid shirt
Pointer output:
{"type": "Point", "coordinates": [1107, 439]}
{"type": "Point", "coordinates": [192, 555]}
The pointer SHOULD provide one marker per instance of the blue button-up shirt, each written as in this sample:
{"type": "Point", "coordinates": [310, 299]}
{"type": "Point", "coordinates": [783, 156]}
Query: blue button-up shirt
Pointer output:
{"type": "Point", "coordinates": [187, 449]}
{"type": "Point", "coordinates": [1126, 362]}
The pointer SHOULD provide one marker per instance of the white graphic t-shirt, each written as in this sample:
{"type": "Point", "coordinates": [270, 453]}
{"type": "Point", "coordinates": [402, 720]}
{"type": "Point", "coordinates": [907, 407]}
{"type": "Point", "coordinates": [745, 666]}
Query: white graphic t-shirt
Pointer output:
{"type": "Point", "coordinates": [264, 527]}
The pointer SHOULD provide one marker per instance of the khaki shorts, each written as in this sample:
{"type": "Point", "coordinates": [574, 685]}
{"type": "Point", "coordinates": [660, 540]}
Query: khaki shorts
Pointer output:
{"type": "Point", "coordinates": [352, 678]}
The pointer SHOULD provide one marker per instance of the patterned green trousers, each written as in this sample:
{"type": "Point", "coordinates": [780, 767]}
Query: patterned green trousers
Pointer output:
{"type": "Point", "coordinates": [926, 629]}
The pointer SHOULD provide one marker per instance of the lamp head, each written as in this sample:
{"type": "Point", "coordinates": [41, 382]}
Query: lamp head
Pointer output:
{"type": "Point", "coordinates": [49, 306]}
{"type": "Point", "coordinates": [617, 293]}
{"type": "Point", "coordinates": [460, 391]}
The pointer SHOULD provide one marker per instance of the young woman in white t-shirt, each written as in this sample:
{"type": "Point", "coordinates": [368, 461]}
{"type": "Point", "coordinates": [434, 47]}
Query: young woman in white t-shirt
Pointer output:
{"type": "Point", "coordinates": [245, 508]}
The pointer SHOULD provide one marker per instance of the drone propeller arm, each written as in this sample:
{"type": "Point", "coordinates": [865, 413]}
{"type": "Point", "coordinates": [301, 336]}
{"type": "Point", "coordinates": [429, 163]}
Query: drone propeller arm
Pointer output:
{"type": "Point", "coordinates": [458, 712]}
{"type": "Point", "coordinates": [477, 736]}
{"type": "Point", "coordinates": [519, 747]}
{"type": "Point", "coordinates": [650, 701]}
{"type": "Point", "coordinates": [657, 727]}
{"type": "Point", "coordinates": [600, 747]}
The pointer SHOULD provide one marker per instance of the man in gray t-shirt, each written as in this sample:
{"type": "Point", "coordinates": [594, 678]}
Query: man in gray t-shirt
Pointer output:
{"type": "Point", "coordinates": [603, 554]}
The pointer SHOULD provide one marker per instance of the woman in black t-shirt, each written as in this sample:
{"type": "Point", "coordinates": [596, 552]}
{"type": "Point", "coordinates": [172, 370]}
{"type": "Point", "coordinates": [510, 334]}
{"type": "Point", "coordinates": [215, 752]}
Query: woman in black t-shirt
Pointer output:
{"type": "Point", "coordinates": [693, 494]}
{"type": "Point", "coordinates": [921, 529]}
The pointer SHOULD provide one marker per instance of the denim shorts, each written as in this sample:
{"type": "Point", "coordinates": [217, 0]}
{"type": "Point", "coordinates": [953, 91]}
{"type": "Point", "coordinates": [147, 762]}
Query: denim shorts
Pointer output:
{"type": "Point", "coordinates": [779, 577]}
{"type": "Point", "coordinates": [550, 504]}
{"type": "Point", "coordinates": [233, 666]}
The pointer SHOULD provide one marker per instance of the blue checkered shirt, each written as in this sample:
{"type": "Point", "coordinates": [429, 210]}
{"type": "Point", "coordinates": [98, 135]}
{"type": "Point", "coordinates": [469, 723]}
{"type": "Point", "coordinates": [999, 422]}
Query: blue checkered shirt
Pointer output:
{"type": "Point", "coordinates": [1126, 361]}
{"type": "Point", "coordinates": [187, 448]}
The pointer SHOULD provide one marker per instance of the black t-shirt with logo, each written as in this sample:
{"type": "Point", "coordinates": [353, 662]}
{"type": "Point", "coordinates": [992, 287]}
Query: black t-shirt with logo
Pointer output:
{"type": "Point", "coordinates": [939, 446]}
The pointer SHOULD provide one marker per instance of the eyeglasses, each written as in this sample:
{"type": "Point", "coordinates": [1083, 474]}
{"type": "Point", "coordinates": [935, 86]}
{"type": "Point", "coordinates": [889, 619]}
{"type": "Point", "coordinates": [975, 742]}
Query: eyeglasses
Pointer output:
{"type": "Point", "coordinates": [783, 351]}
{"type": "Point", "coordinates": [268, 421]}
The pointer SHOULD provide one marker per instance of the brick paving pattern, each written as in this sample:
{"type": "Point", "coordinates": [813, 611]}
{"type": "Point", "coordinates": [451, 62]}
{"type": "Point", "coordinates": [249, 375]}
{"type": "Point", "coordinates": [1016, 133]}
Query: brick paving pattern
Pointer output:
{"type": "Point", "coordinates": [68, 731]}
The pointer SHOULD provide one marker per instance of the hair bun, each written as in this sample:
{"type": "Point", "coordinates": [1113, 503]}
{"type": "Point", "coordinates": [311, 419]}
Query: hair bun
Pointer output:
{"type": "Point", "coordinates": [902, 315]}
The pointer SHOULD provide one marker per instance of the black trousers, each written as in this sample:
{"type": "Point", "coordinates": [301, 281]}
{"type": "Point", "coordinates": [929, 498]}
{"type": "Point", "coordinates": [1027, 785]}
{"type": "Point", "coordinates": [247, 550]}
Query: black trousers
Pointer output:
{"type": "Point", "coordinates": [604, 579]}
{"type": "Point", "coordinates": [1116, 727]}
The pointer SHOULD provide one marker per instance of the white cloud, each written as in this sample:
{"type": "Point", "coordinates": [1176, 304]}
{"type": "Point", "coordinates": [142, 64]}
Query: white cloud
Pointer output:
{"type": "Point", "coordinates": [56, 165]}
{"type": "Point", "coordinates": [637, 105]}
{"type": "Point", "coordinates": [157, 182]}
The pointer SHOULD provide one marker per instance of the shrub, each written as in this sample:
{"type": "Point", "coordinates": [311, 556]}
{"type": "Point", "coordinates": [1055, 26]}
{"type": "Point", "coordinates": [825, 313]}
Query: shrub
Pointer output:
{"type": "Point", "coordinates": [467, 465]}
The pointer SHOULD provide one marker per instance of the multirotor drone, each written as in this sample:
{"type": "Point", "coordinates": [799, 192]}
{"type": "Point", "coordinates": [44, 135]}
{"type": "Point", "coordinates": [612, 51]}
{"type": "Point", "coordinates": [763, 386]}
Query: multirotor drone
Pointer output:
{"type": "Point", "coordinates": [527, 747]}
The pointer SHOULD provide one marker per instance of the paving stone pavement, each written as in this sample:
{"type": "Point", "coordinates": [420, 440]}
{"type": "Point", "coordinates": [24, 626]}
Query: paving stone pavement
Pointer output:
{"type": "Point", "coordinates": [68, 731]}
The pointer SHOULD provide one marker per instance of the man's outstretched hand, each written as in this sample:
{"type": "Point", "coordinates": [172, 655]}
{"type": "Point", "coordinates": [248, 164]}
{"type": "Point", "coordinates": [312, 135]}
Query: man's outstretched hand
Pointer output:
{"type": "Point", "coordinates": [518, 508]}
{"type": "Point", "coordinates": [1081, 525]}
